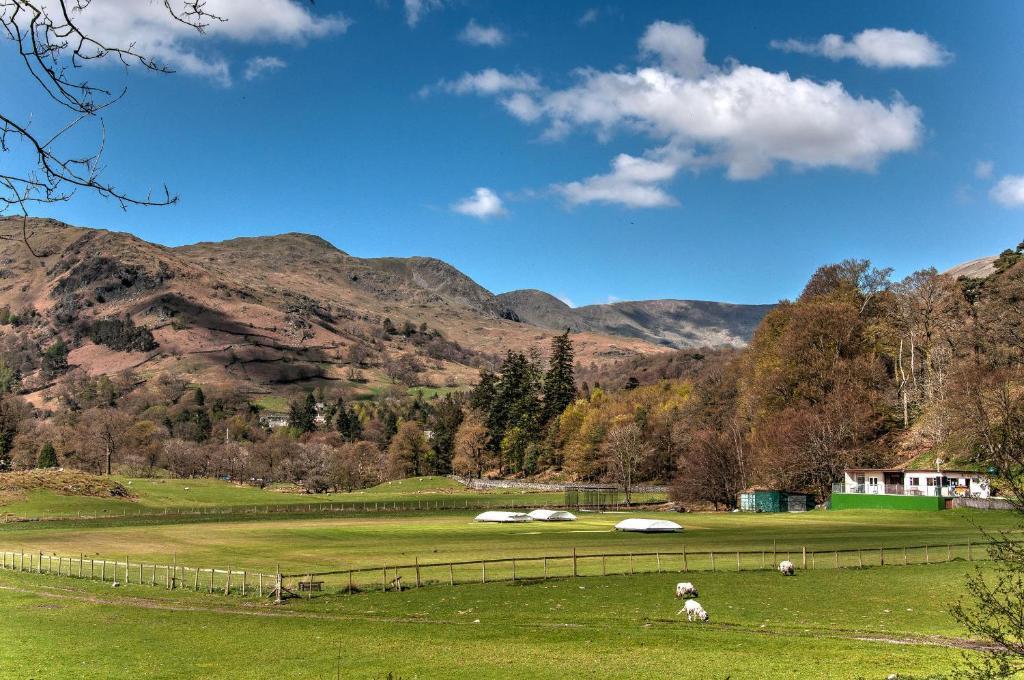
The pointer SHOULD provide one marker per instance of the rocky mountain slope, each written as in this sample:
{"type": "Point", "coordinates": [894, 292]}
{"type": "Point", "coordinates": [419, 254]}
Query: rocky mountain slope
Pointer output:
{"type": "Point", "coordinates": [263, 314]}
{"type": "Point", "coordinates": [680, 324]}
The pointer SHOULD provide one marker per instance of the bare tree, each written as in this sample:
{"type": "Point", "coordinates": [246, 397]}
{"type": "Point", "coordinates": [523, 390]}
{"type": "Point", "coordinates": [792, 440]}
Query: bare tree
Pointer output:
{"type": "Point", "coordinates": [55, 46]}
{"type": "Point", "coordinates": [625, 449]}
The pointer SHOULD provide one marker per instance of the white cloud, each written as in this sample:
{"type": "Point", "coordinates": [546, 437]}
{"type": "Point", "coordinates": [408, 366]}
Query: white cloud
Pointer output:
{"type": "Point", "coordinates": [875, 47]}
{"type": "Point", "coordinates": [475, 34]}
{"type": "Point", "coordinates": [483, 204]}
{"type": "Point", "coordinates": [984, 169]}
{"type": "Point", "coordinates": [156, 34]}
{"type": "Point", "coordinates": [1009, 191]}
{"type": "Point", "coordinates": [417, 9]}
{"type": "Point", "coordinates": [257, 66]}
{"type": "Point", "coordinates": [490, 81]}
{"type": "Point", "coordinates": [588, 17]}
{"type": "Point", "coordinates": [633, 182]}
{"type": "Point", "coordinates": [741, 117]}
{"type": "Point", "coordinates": [679, 48]}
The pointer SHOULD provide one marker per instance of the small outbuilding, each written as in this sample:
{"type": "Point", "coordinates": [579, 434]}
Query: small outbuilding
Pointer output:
{"type": "Point", "coordinates": [649, 526]}
{"type": "Point", "coordinates": [543, 515]}
{"type": "Point", "coordinates": [503, 517]}
{"type": "Point", "coordinates": [774, 500]}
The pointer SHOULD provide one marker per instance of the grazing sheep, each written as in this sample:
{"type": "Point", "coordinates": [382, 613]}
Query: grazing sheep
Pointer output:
{"type": "Point", "coordinates": [694, 612]}
{"type": "Point", "coordinates": [786, 568]}
{"type": "Point", "coordinates": [685, 589]}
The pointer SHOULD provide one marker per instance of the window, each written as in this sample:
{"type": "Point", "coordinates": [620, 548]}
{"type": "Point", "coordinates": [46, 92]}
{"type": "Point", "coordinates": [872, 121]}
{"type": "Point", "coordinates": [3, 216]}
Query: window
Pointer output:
{"type": "Point", "coordinates": [873, 481]}
{"type": "Point", "coordinates": [931, 481]}
{"type": "Point", "coordinates": [915, 481]}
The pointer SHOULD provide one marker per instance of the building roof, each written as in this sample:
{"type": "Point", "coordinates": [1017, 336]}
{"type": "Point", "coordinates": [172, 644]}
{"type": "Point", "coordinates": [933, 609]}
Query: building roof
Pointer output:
{"type": "Point", "coordinates": [916, 470]}
{"type": "Point", "coordinates": [647, 525]}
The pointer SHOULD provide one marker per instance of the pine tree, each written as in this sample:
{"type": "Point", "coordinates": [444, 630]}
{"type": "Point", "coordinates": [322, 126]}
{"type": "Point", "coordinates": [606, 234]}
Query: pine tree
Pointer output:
{"type": "Point", "coordinates": [560, 379]}
{"type": "Point", "coordinates": [302, 414]}
{"type": "Point", "coordinates": [47, 456]}
{"type": "Point", "coordinates": [200, 397]}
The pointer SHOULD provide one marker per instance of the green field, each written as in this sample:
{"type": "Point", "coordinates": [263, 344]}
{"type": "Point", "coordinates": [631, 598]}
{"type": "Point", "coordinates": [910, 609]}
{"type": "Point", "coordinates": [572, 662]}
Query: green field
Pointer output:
{"type": "Point", "coordinates": [824, 623]}
{"type": "Point", "coordinates": [158, 495]}
{"type": "Point", "coordinates": [838, 624]}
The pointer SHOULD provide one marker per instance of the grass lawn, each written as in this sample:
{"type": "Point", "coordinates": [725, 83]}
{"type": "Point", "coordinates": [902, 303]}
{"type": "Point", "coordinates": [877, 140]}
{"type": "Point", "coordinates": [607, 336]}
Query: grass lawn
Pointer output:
{"type": "Point", "coordinates": [154, 495]}
{"type": "Point", "coordinates": [370, 540]}
{"type": "Point", "coordinates": [836, 624]}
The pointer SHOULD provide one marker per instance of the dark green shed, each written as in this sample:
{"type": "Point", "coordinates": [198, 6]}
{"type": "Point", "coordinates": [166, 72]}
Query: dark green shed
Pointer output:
{"type": "Point", "coordinates": [773, 500]}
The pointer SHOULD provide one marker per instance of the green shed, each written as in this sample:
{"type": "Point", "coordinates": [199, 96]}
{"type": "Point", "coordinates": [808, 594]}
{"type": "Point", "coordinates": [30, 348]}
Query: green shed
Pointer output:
{"type": "Point", "coordinates": [774, 500]}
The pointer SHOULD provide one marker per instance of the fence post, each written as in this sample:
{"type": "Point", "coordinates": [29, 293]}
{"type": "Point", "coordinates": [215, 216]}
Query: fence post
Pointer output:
{"type": "Point", "coordinates": [127, 572]}
{"type": "Point", "coordinates": [103, 570]}
{"type": "Point", "coordinates": [685, 565]}
{"type": "Point", "coordinates": [349, 581]}
{"type": "Point", "coordinates": [712, 560]}
{"type": "Point", "coordinates": [451, 575]}
{"type": "Point", "coordinates": [483, 572]}
{"type": "Point", "coordinates": [860, 558]}
{"type": "Point", "coordinates": [227, 582]}
{"type": "Point", "coordinates": [545, 566]}
{"type": "Point", "coordinates": [837, 559]}
{"type": "Point", "coordinates": [277, 589]}
{"type": "Point", "coordinates": [881, 557]}
{"type": "Point", "coordinates": [604, 570]}
{"type": "Point", "coordinates": [309, 586]}
{"type": "Point", "coordinates": [195, 585]}
{"type": "Point", "coordinates": [904, 556]}
{"type": "Point", "coordinates": [574, 572]}
{"type": "Point", "coordinates": [926, 558]}
{"type": "Point", "coordinates": [949, 557]}
{"type": "Point", "coordinates": [658, 557]}
{"type": "Point", "coordinates": [243, 583]}
{"type": "Point", "coordinates": [418, 572]}
{"type": "Point", "coordinates": [812, 559]}
{"type": "Point", "coordinates": [513, 570]}
{"type": "Point", "coordinates": [804, 558]}
{"type": "Point", "coordinates": [212, 573]}
{"type": "Point", "coordinates": [631, 563]}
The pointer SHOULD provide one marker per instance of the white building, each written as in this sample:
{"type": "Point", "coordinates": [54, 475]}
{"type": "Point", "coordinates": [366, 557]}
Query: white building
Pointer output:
{"type": "Point", "coordinates": [946, 483]}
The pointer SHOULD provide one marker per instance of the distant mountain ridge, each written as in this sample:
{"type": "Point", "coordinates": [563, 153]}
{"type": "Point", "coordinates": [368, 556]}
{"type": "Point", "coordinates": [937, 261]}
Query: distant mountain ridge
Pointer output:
{"type": "Point", "coordinates": [679, 324]}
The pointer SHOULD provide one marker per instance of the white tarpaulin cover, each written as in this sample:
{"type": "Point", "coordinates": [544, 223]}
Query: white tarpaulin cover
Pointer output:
{"type": "Point", "coordinates": [552, 515]}
{"type": "Point", "coordinates": [502, 516]}
{"type": "Point", "coordinates": [648, 525]}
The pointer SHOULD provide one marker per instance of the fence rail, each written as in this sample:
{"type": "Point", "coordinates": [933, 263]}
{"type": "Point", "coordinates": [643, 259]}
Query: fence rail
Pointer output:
{"type": "Point", "coordinates": [364, 507]}
{"type": "Point", "coordinates": [415, 574]}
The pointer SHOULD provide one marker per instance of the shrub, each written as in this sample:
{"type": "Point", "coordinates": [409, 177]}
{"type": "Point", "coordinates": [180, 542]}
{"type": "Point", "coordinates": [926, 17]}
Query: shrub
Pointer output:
{"type": "Point", "coordinates": [121, 335]}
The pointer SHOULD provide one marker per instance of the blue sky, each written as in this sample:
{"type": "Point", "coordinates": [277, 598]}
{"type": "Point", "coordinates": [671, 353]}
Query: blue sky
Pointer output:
{"type": "Point", "coordinates": [742, 166]}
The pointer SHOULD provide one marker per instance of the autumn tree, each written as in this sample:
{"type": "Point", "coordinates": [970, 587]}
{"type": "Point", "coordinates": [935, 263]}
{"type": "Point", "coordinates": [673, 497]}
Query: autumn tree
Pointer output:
{"type": "Point", "coordinates": [471, 456]}
{"type": "Point", "coordinates": [409, 454]}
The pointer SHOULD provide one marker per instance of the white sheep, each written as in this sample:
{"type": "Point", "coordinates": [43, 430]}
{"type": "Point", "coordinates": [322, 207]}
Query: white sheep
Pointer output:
{"type": "Point", "coordinates": [694, 612]}
{"type": "Point", "coordinates": [786, 568]}
{"type": "Point", "coordinates": [685, 589]}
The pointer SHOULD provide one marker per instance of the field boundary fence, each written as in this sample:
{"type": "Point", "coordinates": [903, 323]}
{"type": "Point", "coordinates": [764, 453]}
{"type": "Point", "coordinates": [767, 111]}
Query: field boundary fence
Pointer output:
{"type": "Point", "coordinates": [323, 508]}
{"type": "Point", "coordinates": [416, 574]}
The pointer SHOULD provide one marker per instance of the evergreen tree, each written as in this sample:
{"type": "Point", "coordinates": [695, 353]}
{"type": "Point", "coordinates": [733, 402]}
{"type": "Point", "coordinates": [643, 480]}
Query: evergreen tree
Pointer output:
{"type": "Point", "coordinates": [302, 414]}
{"type": "Point", "coordinates": [55, 359]}
{"type": "Point", "coordinates": [482, 396]}
{"type": "Point", "coordinates": [516, 404]}
{"type": "Point", "coordinates": [349, 425]}
{"type": "Point", "coordinates": [200, 397]}
{"type": "Point", "coordinates": [444, 423]}
{"type": "Point", "coordinates": [47, 456]}
{"type": "Point", "coordinates": [560, 379]}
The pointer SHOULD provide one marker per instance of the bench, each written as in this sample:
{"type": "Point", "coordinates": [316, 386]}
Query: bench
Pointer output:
{"type": "Point", "coordinates": [310, 586]}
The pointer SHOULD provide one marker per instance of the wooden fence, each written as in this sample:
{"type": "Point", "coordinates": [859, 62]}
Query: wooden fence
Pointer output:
{"type": "Point", "coordinates": [210, 579]}
{"type": "Point", "coordinates": [397, 577]}
{"type": "Point", "coordinates": [244, 511]}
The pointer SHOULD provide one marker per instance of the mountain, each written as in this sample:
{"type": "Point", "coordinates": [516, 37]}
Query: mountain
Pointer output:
{"type": "Point", "coordinates": [680, 324]}
{"type": "Point", "coordinates": [261, 315]}
{"type": "Point", "coordinates": [974, 269]}
{"type": "Point", "coordinates": [268, 314]}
